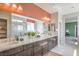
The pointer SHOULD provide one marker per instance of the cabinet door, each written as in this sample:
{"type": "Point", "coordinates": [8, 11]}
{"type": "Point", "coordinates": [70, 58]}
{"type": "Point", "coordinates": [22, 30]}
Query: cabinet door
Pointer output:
{"type": "Point", "coordinates": [44, 47]}
{"type": "Point", "coordinates": [50, 43]}
{"type": "Point", "coordinates": [28, 50]}
{"type": "Point", "coordinates": [45, 51]}
{"type": "Point", "coordinates": [4, 53]}
{"type": "Point", "coordinates": [38, 53]}
{"type": "Point", "coordinates": [56, 41]}
{"type": "Point", "coordinates": [1, 54]}
{"type": "Point", "coordinates": [37, 48]}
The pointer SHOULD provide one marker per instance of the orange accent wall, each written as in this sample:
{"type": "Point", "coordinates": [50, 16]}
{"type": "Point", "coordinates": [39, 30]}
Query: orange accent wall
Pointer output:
{"type": "Point", "coordinates": [29, 9]}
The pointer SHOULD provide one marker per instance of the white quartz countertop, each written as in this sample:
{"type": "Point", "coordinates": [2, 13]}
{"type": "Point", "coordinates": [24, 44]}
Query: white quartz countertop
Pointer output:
{"type": "Point", "coordinates": [12, 44]}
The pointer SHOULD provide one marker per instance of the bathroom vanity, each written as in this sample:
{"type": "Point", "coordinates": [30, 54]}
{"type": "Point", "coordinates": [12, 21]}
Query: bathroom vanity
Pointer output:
{"type": "Point", "coordinates": [33, 47]}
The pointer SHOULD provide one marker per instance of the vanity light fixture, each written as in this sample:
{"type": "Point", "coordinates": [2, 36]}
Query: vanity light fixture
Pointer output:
{"type": "Point", "coordinates": [17, 7]}
{"type": "Point", "coordinates": [8, 4]}
{"type": "Point", "coordinates": [20, 8]}
{"type": "Point", "coordinates": [46, 18]}
{"type": "Point", "coordinates": [14, 6]}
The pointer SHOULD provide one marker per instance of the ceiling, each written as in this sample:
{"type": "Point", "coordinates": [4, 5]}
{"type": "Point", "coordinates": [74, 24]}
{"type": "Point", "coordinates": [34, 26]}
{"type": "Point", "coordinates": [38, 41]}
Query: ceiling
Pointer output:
{"type": "Point", "coordinates": [53, 7]}
{"type": "Point", "coordinates": [47, 7]}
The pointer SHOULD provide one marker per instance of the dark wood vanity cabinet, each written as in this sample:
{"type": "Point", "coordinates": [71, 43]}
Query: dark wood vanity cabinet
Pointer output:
{"type": "Point", "coordinates": [11, 52]}
{"type": "Point", "coordinates": [27, 50]}
{"type": "Point", "coordinates": [56, 41]}
{"type": "Point", "coordinates": [38, 48]}
{"type": "Point", "coordinates": [4, 53]}
{"type": "Point", "coordinates": [52, 42]}
{"type": "Point", "coordinates": [16, 50]}
{"type": "Point", "coordinates": [45, 47]}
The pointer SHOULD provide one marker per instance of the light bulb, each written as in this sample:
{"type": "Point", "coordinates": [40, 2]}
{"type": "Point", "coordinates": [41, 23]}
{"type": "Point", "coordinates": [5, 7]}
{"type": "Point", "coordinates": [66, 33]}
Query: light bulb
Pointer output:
{"type": "Point", "coordinates": [46, 18]}
{"type": "Point", "coordinates": [20, 8]}
{"type": "Point", "coordinates": [14, 6]}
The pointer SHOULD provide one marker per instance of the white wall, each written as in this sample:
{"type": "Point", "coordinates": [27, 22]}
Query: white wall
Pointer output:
{"type": "Point", "coordinates": [54, 19]}
{"type": "Point", "coordinates": [71, 19]}
{"type": "Point", "coordinates": [78, 28]}
{"type": "Point", "coordinates": [60, 24]}
{"type": "Point", "coordinates": [72, 8]}
{"type": "Point", "coordinates": [61, 28]}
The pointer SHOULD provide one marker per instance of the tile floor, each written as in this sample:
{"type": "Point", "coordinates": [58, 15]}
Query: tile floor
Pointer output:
{"type": "Point", "coordinates": [52, 54]}
{"type": "Point", "coordinates": [71, 48]}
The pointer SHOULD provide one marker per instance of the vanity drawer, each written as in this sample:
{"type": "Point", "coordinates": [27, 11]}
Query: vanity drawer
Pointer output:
{"type": "Point", "coordinates": [15, 50]}
{"type": "Point", "coordinates": [27, 52]}
{"type": "Point", "coordinates": [1, 54]}
{"type": "Point", "coordinates": [4, 53]}
{"type": "Point", "coordinates": [45, 45]}
{"type": "Point", "coordinates": [37, 49]}
{"type": "Point", "coordinates": [28, 46]}
{"type": "Point", "coordinates": [37, 43]}
{"type": "Point", "coordinates": [44, 51]}
{"type": "Point", "coordinates": [38, 53]}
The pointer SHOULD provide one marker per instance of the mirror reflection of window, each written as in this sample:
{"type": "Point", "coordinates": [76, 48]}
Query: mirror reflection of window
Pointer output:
{"type": "Point", "coordinates": [20, 28]}
{"type": "Point", "coordinates": [17, 26]}
{"type": "Point", "coordinates": [40, 27]}
{"type": "Point", "coordinates": [30, 27]}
